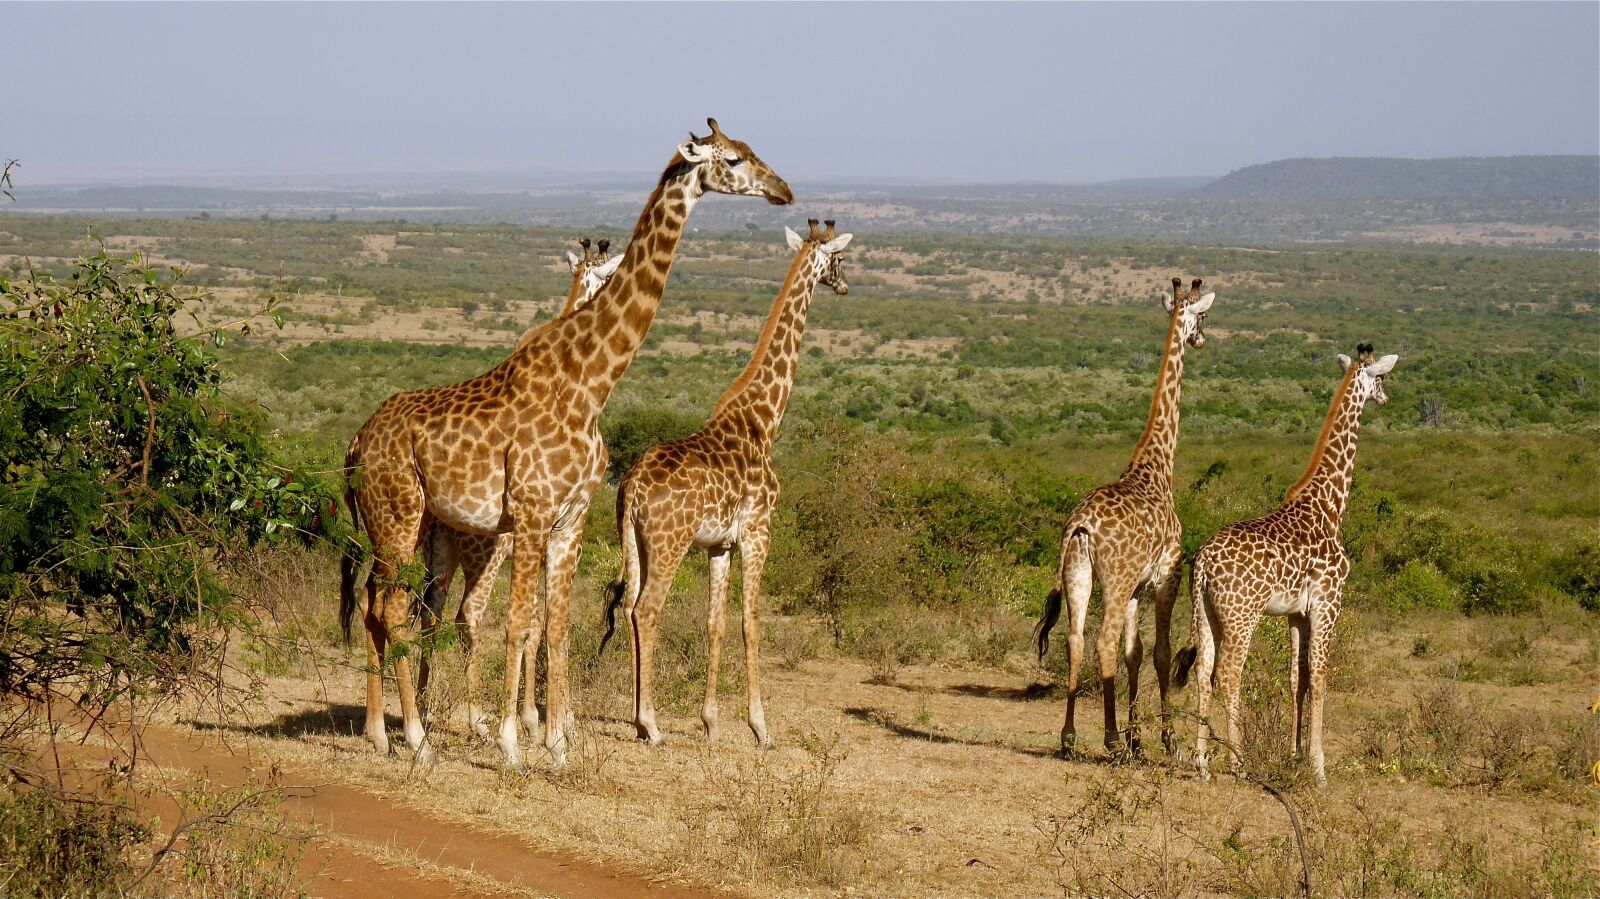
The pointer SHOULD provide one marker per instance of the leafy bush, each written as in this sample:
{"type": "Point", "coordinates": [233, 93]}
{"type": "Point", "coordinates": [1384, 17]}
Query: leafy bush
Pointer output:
{"type": "Point", "coordinates": [126, 485]}
{"type": "Point", "coordinates": [636, 429]}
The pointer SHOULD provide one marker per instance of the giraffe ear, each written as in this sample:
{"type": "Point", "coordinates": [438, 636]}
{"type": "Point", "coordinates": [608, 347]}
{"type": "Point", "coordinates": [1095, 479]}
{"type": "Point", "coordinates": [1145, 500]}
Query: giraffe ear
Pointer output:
{"type": "Point", "coordinates": [609, 267]}
{"type": "Point", "coordinates": [694, 153]}
{"type": "Point", "coordinates": [573, 260]}
{"type": "Point", "coordinates": [837, 244]}
{"type": "Point", "coordinates": [1204, 303]}
{"type": "Point", "coordinates": [1167, 303]}
{"type": "Point", "coordinates": [1344, 362]}
{"type": "Point", "coordinates": [1382, 366]}
{"type": "Point", "coordinates": [795, 240]}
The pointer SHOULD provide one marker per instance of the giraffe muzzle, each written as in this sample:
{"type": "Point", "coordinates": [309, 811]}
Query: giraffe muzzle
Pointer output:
{"type": "Point", "coordinates": [780, 194]}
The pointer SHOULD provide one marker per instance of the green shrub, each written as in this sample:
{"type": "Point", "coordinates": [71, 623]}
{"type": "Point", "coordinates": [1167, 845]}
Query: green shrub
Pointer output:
{"type": "Point", "coordinates": [1419, 585]}
{"type": "Point", "coordinates": [631, 431]}
{"type": "Point", "coordinates": [127, 482]}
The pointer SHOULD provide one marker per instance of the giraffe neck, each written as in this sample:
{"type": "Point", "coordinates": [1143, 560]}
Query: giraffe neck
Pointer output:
{"type": "Point", "coordinates": [574, 297]}
{"type": "Point", "coordinates": [1160, 439]}
{"type": "Point", "coordinates": [537, 331]}
{"type": "Point", "coordinates": [762, 391]}
{"type": "Point", "coordinates": [1326, 484]}
{"type": "Point", "coordinates": [596, 343]}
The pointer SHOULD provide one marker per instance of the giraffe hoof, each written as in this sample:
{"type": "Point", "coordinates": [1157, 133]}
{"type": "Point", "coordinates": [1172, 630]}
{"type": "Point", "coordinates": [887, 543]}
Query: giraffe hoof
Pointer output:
{"type": "Point", "coordinates": [767, 745]}
{"type": "Point", "coordinates": [648, 740]}
{"type": "Point", "coordinates": [425, 757]}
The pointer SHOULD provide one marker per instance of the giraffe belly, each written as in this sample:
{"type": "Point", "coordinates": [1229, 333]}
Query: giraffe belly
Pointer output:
{"type": "Point", "coordinates": [472, 515]}
{"type": "Point", "coordinates": [714, 532]}
{"type": "Point", "coordinates": [1288, 602]}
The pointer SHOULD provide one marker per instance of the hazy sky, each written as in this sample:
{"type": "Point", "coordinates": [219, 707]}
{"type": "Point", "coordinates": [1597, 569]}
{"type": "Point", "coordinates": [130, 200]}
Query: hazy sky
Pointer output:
{"type": "Point", "coordinates": [1061, 92]}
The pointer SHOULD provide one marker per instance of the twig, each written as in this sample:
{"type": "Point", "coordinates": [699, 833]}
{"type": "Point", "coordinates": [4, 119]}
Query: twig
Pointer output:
{"type": "Point", "coordinates": [149, 431]}
{"type": "Point", "coordinates": [187, 824]}
{"type": "Point", "coordinates": [1299, 838]}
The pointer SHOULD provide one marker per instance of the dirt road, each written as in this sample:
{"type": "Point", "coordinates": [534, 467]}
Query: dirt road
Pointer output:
{"type": "Point", "coordinates": [368, 847]}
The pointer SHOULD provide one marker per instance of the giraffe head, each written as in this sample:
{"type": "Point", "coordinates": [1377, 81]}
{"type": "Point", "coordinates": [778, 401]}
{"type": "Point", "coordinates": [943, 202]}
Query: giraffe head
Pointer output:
{"type": "Point", "coordinates": [827, 254]}
{"type": "Point", "coordinates": [593, 269]}
{"type": "Point", "coordinates": [1368, 381]}
{"type": "Point", "coordinates": [729, 166]}
{"type": "Point", "coordinates": [1190, 309]}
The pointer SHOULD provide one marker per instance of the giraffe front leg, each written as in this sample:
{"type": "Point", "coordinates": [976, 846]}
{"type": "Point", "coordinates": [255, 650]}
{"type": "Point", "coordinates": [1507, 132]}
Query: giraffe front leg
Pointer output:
{"type": "Point", "coordinates": [1166, 598]}
{"type": "Point", "coordinates": [753, 558]}
{"type": "Point", "coordinates": [720, 565]}
{"type": "Point", "coordinates": [564, 549]}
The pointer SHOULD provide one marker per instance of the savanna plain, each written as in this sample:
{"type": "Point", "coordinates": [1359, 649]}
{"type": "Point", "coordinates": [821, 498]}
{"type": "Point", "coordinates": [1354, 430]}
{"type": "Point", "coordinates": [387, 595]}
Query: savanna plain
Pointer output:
{"type": "Point", "coordinates": [947, 415]}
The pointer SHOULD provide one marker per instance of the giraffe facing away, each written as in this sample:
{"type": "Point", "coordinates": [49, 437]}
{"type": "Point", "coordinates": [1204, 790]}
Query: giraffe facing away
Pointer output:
{"type": "Point", "coordinates": [716, 489]}
{"type": "Point", "coordinates": [481, 556]}
{"type": "Point", "coordinates": [517, 450]}
{"type": "Point", "coordinates": [1125, 535]}
{"type": "Point", "coordinates": [1289, 563]}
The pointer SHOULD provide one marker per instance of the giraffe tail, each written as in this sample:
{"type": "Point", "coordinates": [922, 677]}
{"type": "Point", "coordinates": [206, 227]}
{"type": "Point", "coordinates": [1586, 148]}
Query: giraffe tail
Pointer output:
{"type": "Point", "coordinates": [350, 561]}
{"type": "Point", "coordinates": [617, 589]}
{"type": "Point", "coordinates": [1184, 661]}
{"type": "Point", "coordinates": [1199, 630]}
{"type": "Point", "coordinates": [1048, 616]}
{"type": "Point", "coordinates": [1076, 543]}
{"type": "Point", "coordinates": [627, 580]}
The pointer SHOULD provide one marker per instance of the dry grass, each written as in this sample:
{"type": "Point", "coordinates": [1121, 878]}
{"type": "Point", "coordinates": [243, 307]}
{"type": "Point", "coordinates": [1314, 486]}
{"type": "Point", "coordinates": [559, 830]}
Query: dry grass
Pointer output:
{"type": "Point", "coordinates": [920, 763]}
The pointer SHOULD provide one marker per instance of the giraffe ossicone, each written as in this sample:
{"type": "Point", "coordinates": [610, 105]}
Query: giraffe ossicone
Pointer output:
{"type": "Point", "coordinates": [1290, 563]}
{"type": "Point", "coordinates": [716, 489]}
{"type": "Point", "coordinates": [517, 450]}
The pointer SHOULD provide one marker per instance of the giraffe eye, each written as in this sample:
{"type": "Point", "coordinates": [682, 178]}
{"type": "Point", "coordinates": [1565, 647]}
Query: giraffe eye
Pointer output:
{"type": "Point", "coordinates": [735, 163]}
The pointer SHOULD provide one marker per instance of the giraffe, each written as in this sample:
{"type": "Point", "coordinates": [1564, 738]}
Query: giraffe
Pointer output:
{"type": "Point", "coordinates": [716, 489]}
{"type": "Point", "coordinates": [1287, 563]}
{"type": "Point", "coordinates": [517, 450]}
{"type": "Point", "coordinates": [1125, 535]}
{"type": "Point", "coordinates": [481, 556]}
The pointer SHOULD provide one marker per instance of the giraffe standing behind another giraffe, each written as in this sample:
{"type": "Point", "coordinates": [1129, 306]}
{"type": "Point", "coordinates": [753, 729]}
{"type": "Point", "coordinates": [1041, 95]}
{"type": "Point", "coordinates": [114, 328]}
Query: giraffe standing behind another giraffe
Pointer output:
{"type": "Point", "coordinates": [1289, 563]}
{"type": "Point", "coordinates": [716, 489]}
{"type": "Point", "coordinates": [481, 556]}
{"type": "Point", "coordinates": [1125, 536]}
{"type": "Point", "coordinates": [517, 450]}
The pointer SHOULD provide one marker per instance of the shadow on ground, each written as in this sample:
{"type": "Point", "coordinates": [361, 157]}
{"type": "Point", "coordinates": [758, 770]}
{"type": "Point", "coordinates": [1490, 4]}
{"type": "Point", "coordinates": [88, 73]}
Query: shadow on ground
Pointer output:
{"type": "Point", "coordinates": [886, 720]}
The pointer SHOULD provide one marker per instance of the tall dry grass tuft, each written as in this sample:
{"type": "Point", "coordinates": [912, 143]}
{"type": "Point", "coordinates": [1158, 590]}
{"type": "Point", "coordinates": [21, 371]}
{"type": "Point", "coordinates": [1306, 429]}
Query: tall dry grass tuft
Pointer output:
{"type": "Point", "coordinates": [771, 819]}
{"type": "Point", "coordinates": [1127, 837]}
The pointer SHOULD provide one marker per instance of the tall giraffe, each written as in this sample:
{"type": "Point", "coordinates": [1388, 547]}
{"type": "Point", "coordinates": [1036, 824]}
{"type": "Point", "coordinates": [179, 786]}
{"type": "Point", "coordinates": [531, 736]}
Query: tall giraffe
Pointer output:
{"type": "Point", "coordinates": [1287, 563]}
{"type": "Point", "coordinates": [517, 450]}
{"type": "Point", "coordinates": [716, 489]}
{"type": "Point", "coordinates": [1125, 535]}
{"type": "Point", "coordinates": [481, 556]}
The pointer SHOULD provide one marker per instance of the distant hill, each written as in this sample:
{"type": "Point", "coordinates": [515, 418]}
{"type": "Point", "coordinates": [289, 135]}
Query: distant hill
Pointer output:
{"type": "Point", "coordinates": [1485, 178]}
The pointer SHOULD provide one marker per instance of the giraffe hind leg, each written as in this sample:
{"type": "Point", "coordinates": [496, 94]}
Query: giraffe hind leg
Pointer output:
{"type": "Point", "coordinates": [1077, 583]}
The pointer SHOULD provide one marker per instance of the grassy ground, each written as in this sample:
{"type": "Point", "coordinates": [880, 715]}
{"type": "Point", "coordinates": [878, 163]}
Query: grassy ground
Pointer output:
{"type": "Point", "coordinates": [1457, 754]}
